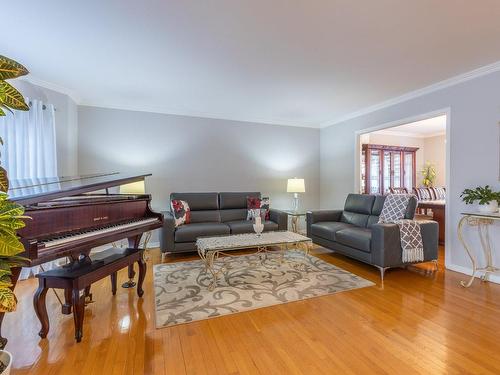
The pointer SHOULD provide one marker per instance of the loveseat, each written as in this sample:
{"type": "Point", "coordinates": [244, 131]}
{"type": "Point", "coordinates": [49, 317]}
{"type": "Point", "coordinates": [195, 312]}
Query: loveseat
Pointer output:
{"type": "Point", "coordinates": [355, 232]}
{"type": "Point", "coordinates": [213, 214]}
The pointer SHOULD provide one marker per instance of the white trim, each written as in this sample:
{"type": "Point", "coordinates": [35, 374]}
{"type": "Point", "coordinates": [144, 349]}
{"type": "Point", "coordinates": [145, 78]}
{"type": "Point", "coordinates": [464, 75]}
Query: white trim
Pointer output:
{"type": "Point", "coordinates": [52, 86]}
{"type": "Point", "coordinates": [494, 278]}
{"type": "Point", "coordinates": [484, 70]}
{"type": "Point", "coordinates": [357, 161]}
{"type": "Point", "coordinates": [409, 134]}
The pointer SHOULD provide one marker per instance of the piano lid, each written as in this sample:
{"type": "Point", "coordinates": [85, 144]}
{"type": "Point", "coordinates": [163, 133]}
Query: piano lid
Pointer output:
{"type": "Point", "coordinates": [36, 190]}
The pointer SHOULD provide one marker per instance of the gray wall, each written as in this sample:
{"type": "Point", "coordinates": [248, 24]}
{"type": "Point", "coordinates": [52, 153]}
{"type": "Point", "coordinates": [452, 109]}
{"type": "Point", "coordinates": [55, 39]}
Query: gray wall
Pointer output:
{"type": "Point", "coordinates": [474, 150]}
{"type": "Point", "coordinates": [199, 154]}
{"type": "Point", "coordinates": [66, 124]}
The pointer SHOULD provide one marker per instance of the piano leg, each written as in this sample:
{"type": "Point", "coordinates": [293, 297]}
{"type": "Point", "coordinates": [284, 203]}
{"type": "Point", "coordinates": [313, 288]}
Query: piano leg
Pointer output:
{"type": "Point", "coordinates": [68, 301]}
{"type": "Point", "coordinates": [78, 312]}
{"type": "Point", "coordinates": [15, 276]}
{"type": "Point", "coordinates": [41, 308]}
{"type": "Point", "coordinates": [133, 242]}
{"type": "Point", "coordinates": [142, 274]}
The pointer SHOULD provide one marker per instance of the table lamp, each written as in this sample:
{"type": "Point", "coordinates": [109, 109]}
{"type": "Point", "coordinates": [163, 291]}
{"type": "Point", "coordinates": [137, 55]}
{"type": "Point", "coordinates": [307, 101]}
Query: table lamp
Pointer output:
{"type": "Point", "coordinates": [296, 186]}
{"type": "Point", "coordinates": [133, 188]}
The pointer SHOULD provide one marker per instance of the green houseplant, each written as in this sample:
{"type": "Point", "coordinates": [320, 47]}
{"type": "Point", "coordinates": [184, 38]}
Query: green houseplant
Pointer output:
{"type": "Point", "coordinates": [428, 174]}
{"type": "Point", "coordinates": [485, 196]}
{"type": "Point", "coordinates": [11, 214]}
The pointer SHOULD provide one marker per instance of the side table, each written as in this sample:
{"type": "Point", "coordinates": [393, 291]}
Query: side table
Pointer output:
{"type": "Point", "coordinates": [482, 221]}
{"type": "Point", "coordinates": [295, 215]}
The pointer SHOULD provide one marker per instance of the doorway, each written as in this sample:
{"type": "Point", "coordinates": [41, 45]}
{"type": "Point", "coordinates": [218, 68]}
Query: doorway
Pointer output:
{"type": "Point", "coordinates": [408, 156]}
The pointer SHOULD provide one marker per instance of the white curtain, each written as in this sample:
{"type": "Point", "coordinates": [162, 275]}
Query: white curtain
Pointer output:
{"type": "Point", "coordinates": [29, 149]}
{"type": "Point", "coordinates": [29, 137]}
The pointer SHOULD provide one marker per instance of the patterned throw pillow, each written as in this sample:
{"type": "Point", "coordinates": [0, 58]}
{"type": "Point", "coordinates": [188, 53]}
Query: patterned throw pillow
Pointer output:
{"type": "Point", "coordinates": [253, 207]}
{"type": "Point", "coordinates": [264, 208]}
{"type": "Point", "coordinates": [180, 210]}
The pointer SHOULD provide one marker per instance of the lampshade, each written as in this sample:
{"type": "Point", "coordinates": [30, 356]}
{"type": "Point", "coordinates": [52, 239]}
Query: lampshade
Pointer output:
{"type": "Point", "coordinates": [133, 188]}
{"type": "Point", "coordinates": [296, 185]}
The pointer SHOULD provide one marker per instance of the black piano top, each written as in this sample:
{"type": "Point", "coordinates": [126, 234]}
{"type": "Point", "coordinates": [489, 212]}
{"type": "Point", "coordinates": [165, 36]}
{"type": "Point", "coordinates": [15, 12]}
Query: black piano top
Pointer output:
{"type": "Point", "coordinates": [37, 190]}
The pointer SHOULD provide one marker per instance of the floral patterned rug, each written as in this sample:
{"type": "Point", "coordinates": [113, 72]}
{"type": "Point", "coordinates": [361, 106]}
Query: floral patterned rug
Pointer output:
{"type": "Point", "coordinates": [249, 282]}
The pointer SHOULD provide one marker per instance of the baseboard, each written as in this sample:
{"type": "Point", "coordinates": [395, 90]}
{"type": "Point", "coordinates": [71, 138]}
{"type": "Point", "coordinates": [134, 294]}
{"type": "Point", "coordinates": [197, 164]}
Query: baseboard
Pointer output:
{"type": "Point", "coordinates": [494, 278]}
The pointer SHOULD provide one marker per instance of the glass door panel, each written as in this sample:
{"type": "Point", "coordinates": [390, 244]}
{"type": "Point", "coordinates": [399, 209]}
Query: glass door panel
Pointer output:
{"type": "Point", "coordinates": [396, 169]}
{"type": "Point", "coordinates": [363, 172]}
{"type": "Point", "coordinates": [408, 171]}
{"type": "Point", "coordinates": [374, 171]}
{"type": "Point", "coordinates": [387, 171]}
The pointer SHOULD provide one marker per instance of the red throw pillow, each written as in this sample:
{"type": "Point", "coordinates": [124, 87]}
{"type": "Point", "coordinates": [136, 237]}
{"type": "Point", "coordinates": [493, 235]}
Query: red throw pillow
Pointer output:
{"type": "Point", "coordinates": [253, 206]}
{"type": "Point", "coordinates": [180, 210]}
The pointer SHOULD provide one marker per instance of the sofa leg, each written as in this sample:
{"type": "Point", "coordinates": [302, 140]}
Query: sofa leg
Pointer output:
{"type": "Point", "coordinates": [382, 271]}
{"type": "Point", "coordinates": [436, 267]}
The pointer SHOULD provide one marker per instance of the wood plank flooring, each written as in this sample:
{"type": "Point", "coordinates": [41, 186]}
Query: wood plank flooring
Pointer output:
{"type": "Point", "coordinates": [416, 322]}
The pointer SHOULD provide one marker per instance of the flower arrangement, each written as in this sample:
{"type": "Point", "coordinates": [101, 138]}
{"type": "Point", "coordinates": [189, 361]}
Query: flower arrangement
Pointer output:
{"type": "Point", "coordinates": [428, 174]}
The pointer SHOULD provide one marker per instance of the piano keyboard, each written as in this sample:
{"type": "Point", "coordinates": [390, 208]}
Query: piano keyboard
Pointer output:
{"type": "Point", "coordinates": [96, 232]}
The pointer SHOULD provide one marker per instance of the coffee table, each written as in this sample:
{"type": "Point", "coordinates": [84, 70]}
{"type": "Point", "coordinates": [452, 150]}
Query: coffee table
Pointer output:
{"type": "Point", "coordinates": [210, 248]}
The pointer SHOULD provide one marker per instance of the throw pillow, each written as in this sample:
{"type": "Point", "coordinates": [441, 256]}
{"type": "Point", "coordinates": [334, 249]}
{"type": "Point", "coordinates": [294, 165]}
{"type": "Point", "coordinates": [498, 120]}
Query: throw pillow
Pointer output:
{"type": "Point", "coordinates": [180, 210]}
{"type": "Point", "coordinates": [253, 207]}
{"type": "Point", "coordinates": [264, 208]}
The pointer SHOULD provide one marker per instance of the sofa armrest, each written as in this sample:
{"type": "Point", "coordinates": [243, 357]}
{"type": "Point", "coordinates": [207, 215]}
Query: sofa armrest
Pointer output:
{"type": "Point", "coordinates": [280, 218]}
{"type": "Point", "coordinates": [386, 243]}
{"type": "Point", "coordinates": [321, 215]}
{"type": "Point", "coordinates": [167, 232]}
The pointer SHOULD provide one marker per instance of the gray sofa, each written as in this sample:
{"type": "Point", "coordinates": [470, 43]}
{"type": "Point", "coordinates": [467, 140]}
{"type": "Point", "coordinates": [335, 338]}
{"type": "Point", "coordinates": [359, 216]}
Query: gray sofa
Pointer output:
{"type": "Point", "coordinates": [355, 232]}
{"type": "Point", "coordinates": [213, 214]}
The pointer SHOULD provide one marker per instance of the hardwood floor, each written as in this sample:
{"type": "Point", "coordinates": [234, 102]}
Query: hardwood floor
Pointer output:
{"type": "Point", "coordinates": [417, 322]}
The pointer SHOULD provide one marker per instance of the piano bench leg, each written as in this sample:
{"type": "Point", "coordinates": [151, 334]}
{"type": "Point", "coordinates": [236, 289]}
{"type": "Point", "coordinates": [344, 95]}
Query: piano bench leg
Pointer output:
{"type": "Point", "coordinates": [78, 313]}
{"type": "Point", "coordinates": [113, 283]}
{"type": "Point", "coordinates": [41, 309]}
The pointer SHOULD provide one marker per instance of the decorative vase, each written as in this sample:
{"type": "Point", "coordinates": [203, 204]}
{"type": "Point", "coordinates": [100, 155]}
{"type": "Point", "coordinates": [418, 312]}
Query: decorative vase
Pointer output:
{"type": "Point", "coordinates": [489, 208]}
{"type": "Point", "coordinates": [6, 359]}
{"type": "Point", "coordinates": [258, 228]}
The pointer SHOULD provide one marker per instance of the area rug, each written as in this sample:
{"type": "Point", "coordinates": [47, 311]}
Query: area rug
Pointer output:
{"type": "Point", "coordinates": [182, 293]}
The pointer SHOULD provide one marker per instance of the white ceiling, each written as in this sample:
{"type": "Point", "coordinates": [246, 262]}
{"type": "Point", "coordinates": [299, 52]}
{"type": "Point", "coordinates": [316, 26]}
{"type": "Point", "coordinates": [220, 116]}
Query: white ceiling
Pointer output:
{"type": "Point", "coordinates": [302, 63]}
{"type": "Point", "coordinates": [419, 129]}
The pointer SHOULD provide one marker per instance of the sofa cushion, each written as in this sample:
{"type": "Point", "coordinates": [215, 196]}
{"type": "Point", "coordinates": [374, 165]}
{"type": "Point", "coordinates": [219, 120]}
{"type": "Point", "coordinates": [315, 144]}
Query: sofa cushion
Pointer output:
{"type": "Point", "coordinates": [198, 201]}
{"type": "Point", "coordinates": [205, 216]}
{"type": "Point", "coordinates": [235, 199]}
{"type": "Point", "coordinates": [235, 214]}
{"type": "Point", "coordinates": [245, 226]}
{"type": "Point", "coordinates": [328, 229]}
{"type": "Point", "coordinates": [190, 232]}
{"type": "Point", "coordinates": [358, 238]}
{"type": "Point", "coordinates": [359, 203]}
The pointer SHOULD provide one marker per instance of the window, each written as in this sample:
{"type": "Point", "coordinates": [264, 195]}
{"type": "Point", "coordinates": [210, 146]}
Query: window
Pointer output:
{"type": "Point", "coordinates": [29, 137]}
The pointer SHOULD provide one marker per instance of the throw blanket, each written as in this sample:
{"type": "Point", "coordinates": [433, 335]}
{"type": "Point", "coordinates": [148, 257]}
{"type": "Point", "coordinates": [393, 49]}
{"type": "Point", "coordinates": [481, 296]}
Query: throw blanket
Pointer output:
{"type": "Point", "coordinates": [394, 210]}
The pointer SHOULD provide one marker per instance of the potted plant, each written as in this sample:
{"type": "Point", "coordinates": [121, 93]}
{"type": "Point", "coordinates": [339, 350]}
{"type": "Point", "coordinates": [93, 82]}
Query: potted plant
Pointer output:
{"type": "Point", "coordinates": [486, 198]}
{"type": "Point", "coordinates": [429, 174]}
{"type": "Point", "coordinates": [11, 214]}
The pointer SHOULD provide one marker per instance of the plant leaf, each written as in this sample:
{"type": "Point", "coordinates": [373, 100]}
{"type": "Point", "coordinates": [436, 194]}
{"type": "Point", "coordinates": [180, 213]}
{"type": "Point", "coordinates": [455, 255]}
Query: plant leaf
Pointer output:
{"type": "Point", "coordinates": [13, 98]}
{"type": "Point", "coordinates": [11, 69]}
{"type": "Point", "coordinates": [4, 180]}
{"type": "Point", "coordinates": [8, 300]}
{"type": "Point", "coordinates": [2, 113]}
{"type": "Point", "coordinates": [10, 245]}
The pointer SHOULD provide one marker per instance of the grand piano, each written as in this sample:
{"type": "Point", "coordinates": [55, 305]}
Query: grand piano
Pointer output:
{"type": "Point", "coordinates": [72, 215]}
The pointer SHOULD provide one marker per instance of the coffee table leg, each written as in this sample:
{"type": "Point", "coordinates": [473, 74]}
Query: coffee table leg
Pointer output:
{"type": "Point", "coordinates": [209, 264]}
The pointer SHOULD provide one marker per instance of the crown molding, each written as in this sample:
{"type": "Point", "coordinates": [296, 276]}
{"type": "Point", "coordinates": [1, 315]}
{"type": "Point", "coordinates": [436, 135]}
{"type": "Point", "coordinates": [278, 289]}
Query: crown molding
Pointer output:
{"type": "Point", "coordinates": [52, 86]}
{"type": "Point", "coordinates": [464, 77]}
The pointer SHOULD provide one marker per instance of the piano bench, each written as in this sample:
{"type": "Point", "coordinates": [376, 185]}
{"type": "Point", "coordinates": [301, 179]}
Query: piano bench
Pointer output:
{"type": "Point", "coordinates": [76, 279]}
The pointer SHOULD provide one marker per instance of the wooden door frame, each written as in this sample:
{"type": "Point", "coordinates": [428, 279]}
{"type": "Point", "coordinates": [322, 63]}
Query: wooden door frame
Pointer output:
{"type": "Point", "coordinates": [357, 157]}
